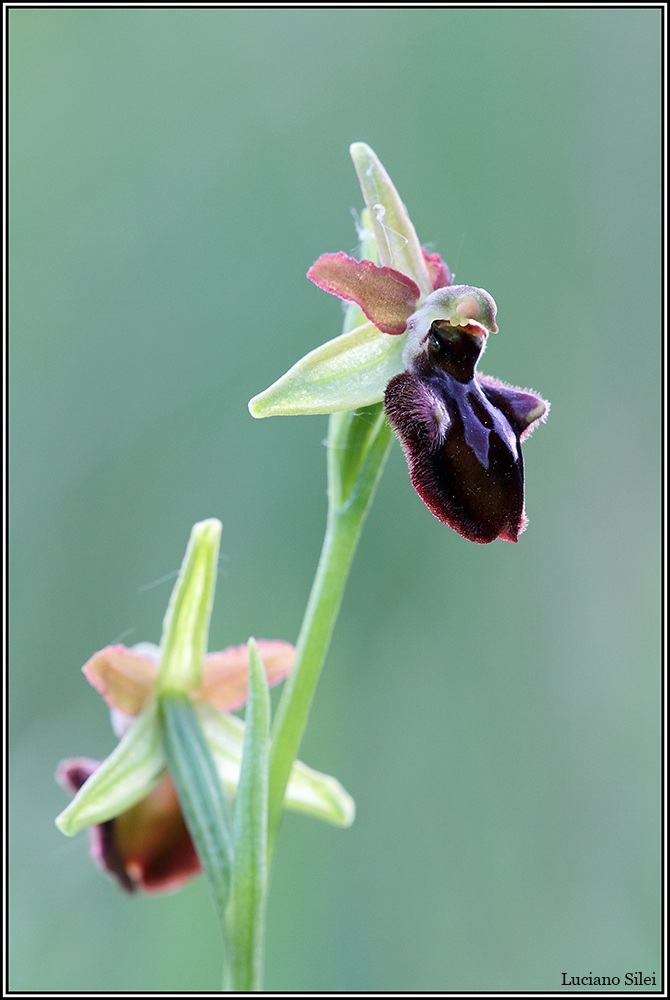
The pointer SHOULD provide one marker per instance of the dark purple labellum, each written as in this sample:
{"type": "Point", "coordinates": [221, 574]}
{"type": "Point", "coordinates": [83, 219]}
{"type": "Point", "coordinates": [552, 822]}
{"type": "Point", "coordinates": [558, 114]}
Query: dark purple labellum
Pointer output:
{"type": "Point", "coordinates": [148, 846]}
{"type": "Point", "coordinates": [461, 433]}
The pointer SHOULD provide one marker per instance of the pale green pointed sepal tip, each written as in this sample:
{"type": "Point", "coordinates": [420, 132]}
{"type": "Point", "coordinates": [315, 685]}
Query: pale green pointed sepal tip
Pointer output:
{"type": "Point", "coordinates": [186, 623]}
{"type": "Point", "coordinates": [319, 795]}
{"type": "Point", "coordinates": [397, 242]}
{"type": "Point", "coordinates": [259, 406]}
{"type": "Point", "coordinates": [309, 792]}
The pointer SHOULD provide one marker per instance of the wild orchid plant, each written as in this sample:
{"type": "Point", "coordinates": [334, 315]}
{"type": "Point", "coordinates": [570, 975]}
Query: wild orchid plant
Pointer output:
{"type": "Point", "coordinates": [189, 787]}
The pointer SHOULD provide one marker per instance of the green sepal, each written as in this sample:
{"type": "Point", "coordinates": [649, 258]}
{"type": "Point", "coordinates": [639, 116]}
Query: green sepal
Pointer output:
{"type": "Point", "coordinates": [346, 373]}
{"type": "Point", "coordinates": [130, 772]}
{"type": "Point", "coordinates": [319, 795]}
{"type": "Point", "coordinates": [397, 242]}
{"type": "Point", "coordinates": [309, 791]}
{"type": "Point", "coordinates": [186, 622]}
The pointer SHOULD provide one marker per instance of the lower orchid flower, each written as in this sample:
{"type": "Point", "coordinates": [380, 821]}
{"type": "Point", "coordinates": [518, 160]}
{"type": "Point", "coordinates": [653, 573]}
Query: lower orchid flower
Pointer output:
{"type": "Point", "coordinates": [129, 802]}
{"type": "Point", "coordinates": [418, 350]}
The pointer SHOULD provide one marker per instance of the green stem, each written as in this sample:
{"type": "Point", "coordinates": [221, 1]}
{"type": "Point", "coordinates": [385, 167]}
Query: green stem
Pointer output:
{"type": "Point", "coordinates": [350, 497]}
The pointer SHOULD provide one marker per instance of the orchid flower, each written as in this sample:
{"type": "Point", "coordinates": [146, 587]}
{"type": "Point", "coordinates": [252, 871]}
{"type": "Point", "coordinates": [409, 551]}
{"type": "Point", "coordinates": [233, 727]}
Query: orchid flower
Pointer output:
{"type": "Point", "coordinates": [418, 351]}
{"type": "Point", "coordinates": [129, 802]}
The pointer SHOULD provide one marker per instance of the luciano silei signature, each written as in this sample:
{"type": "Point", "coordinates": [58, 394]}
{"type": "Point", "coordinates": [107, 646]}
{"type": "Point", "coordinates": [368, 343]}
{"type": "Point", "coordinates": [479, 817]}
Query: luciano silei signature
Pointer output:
{"type": "Point", "coordinates": [628, 979]}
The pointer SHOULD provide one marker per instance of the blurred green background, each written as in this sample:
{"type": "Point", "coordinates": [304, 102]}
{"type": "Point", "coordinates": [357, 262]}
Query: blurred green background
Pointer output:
{"type": "Point", "coordinates": [493, 709]}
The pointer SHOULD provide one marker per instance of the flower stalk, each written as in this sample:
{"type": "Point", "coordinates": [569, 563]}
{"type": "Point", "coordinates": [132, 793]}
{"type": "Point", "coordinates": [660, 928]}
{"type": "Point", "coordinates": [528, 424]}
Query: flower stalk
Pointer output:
{"type": "Point", "coordinates": [358, 446]}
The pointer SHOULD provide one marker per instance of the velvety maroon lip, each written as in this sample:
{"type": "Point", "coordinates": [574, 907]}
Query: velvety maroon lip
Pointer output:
{"type": "Point", "coordinates": [461, 433]}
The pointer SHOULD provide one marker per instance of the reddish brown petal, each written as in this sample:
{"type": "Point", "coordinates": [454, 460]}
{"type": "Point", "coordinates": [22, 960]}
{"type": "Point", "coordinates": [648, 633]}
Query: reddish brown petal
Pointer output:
{"type": "Point", "coordinates": [387, 297]}
{"type": "Point", "coordinates": [224, 681]}
{"type": "Point", "coordinates": [439, 273]}
{"type": "Point", "coordinates": [123, 677]}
